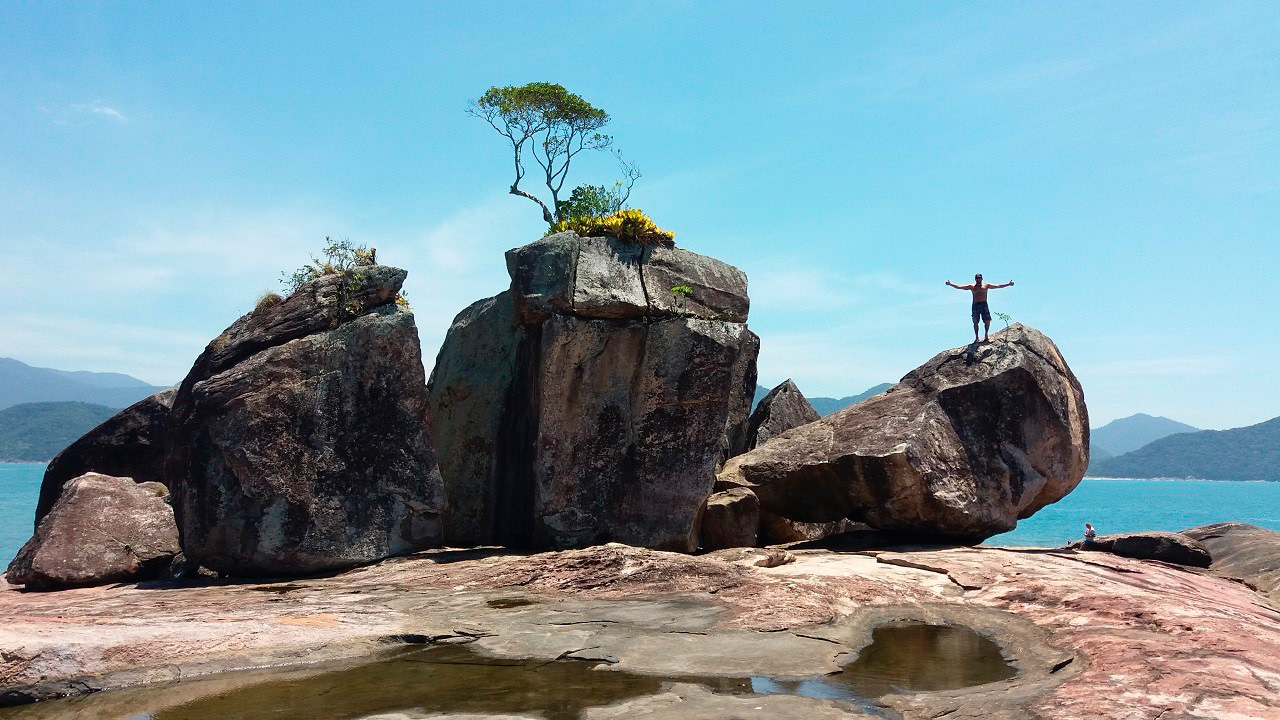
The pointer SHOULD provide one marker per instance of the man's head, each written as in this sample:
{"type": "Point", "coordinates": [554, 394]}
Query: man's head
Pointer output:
{"type": "Point", "coordinates": [978, 278]}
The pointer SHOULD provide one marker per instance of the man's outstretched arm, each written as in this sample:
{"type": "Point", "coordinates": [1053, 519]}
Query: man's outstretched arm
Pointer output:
{"type": "Point", "coordinates": [959, 287]}
{"type": "Point", "coordinates": [1008, 284]}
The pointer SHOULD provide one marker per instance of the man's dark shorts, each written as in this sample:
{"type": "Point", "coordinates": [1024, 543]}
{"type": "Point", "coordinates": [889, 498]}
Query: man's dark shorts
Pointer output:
{"type": "Point", "coordinates": [980, 310]}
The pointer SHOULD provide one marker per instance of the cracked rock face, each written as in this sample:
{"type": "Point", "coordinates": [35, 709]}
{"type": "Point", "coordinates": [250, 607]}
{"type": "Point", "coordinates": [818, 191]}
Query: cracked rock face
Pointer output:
{"type": "Point", "coordinates": [593, 401]}
{"type": "Point", "coordinates": [129, 444]}
{"type": "Point", "coordinates": [961, 449]}
{"type": "Point", "coordinates": [102, 529]}
{"type": "Point", "coordinates": [300, 440]}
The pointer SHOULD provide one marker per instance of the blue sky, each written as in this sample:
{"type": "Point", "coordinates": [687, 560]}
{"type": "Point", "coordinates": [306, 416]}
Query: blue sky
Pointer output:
{"type": "Point", "coordinates": [160, 165]}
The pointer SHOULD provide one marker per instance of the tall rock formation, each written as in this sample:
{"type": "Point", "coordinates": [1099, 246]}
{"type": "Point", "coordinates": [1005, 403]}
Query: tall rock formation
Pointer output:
{"type": "Point", "coordinates": [959, 450]}
{"type": "Point", "coordinates": [300, 437]}
{"type": "Point", "coordinates": [130, 444]}
{"type": "Point", "coordinates": [592, 401]}
{"type": "Point", "coordinates": [784, 408]}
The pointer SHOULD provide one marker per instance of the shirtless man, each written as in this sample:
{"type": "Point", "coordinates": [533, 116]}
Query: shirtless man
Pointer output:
{"type": "Point", "coordinates": [980, 309]}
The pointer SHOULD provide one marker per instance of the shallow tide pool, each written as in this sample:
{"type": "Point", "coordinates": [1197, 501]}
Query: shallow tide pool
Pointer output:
{"type": "Point", "coordinates": [456, 679]}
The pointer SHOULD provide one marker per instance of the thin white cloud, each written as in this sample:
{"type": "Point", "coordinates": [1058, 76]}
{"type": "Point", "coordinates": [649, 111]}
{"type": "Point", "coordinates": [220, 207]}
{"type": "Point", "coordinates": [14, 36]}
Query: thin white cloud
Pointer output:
{"type": "Point", "coordinates": [100, 110]}
{"type": "Point", "coordinates": [84, 113]}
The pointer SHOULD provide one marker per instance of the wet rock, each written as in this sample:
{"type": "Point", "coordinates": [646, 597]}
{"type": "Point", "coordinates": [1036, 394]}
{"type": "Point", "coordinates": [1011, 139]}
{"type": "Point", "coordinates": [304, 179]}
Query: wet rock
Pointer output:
{"type": "Point", "coordinates": [130, 444]}
{"type": "Point", "coordinates": [959, 450]}
{"type": "Point", "coordinates": [784, 408]}
{"type": "Point", "coordinates": [730, 520]}
{"type": "Point", "coordinates": [1243, 552]}
{"type": "Point", "coordinates": [300, 440]}
{"type": "Point", "coordinates": [102, 529]}
{"type": "Point", "coordinates": [1167, 547]}
{"type": "Point", "coordinates": [576, 409]}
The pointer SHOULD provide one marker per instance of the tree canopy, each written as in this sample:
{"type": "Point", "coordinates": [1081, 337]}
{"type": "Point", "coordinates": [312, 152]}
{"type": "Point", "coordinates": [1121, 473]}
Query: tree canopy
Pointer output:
{"type": "Point", "coordinates": [552, 125]}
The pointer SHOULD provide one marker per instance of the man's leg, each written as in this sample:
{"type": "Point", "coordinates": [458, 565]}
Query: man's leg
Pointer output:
{"type": "Point", "coordinates": [975, 329]}
{"type": "Point", "coordinates": [986, 330]}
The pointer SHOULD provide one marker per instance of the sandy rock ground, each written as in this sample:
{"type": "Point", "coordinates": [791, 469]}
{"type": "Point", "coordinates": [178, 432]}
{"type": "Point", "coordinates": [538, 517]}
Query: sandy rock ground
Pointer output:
{"type": "Point", "coordinates": [1093, 636]}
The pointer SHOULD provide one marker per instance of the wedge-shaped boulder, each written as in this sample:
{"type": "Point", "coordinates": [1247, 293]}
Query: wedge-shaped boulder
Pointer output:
{"type": "Point", "coordinates": [960, 449]}
{"type": "Point", "coordinates": [101, 529]}
{"type": "Point", "coordinates": [300, 440]}
{"type": "Point", "coordinates": [132, 444]}
{"type": "Point", "coordinates": [784, 408]}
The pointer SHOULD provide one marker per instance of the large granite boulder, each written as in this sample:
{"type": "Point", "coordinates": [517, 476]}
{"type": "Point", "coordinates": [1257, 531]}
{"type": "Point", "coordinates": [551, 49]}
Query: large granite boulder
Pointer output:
{"type": "Point", "coordinates": [959, 450]}
{"type": "Point", "coordinates": [129, 444]}
{"type": "Point", "coordinates": [1243, 552]}
{"type": "Point", "coordinates": [101, 529]}
{"type": "Point", "coordinates": [784, 408]}
{"type": "Point", "coordinates": [300, 437]}
{"type": "Point", "coordinates": [730, 519]}
{"type": "Point", "coordinates": [592, 403]}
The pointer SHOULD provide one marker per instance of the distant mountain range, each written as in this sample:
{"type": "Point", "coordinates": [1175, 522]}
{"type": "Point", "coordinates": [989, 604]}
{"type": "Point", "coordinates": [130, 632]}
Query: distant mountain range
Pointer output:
{"type": "Point", "coordinates": [1128, 434]}
{"type": "Point", "coordinates": [829, 406]}
{"type": "Point", "coordinates": [35, 432]}
{"type": "Point", "coordinates": [1247, 453]}
{"type": "Point", "coordinates": [22, 383]}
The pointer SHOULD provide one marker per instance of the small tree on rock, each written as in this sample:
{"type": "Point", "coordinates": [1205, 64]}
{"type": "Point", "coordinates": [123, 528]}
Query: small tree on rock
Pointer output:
{"type": "Point", "coordinates": [552, 125]}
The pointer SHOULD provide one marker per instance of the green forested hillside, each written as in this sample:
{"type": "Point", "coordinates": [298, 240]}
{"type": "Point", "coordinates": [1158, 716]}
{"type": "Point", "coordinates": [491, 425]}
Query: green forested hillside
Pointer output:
{"type": "Point", "coordinates": [1128, 434]}
{"type": "Point", "coordinates": [35, 432]}
{"type": "Point", "coordinates": [1247, 453]}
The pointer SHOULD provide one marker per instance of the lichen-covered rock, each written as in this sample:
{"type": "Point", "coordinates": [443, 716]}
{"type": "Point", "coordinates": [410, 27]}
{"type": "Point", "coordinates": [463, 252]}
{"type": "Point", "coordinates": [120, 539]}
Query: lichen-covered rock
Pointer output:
{"type": "Point", "coordinates": [578, 409]}
{"type": "Point", "coordinates": [730, 519]}
{"type": "Point", "coordinates": [129, 444]}
{"type": "Point", "coordinates": [1167, 547]}
{"type": "Point", "coordinates": [784, 408]}
{"type": "Point", "coordinates": [101, 529]}
{"type": "Point", "coordinates": [959, 450]}
{"type": "Point", "coordinates": [300, 438]}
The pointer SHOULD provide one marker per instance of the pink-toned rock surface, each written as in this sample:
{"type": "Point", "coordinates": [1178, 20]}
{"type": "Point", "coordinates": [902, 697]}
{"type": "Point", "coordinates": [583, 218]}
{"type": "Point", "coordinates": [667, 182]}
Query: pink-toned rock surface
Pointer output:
{"type": "Point", "coordinates": [1095, 636]}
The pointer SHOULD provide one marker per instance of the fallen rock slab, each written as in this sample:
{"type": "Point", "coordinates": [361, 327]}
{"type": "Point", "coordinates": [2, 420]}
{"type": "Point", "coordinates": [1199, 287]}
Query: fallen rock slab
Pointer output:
{"type": "Point", "coordinates": [959, 450]}
{"type": "Point", "coordinates": [102, 529]}
{"type": "Point", "coordinates": [1167, 547]}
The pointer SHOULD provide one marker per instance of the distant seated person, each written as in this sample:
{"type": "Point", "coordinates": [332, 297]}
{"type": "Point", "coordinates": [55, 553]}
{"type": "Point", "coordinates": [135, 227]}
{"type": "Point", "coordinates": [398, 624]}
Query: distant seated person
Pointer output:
{"type": "Point", "coordinates": [1089, 536]}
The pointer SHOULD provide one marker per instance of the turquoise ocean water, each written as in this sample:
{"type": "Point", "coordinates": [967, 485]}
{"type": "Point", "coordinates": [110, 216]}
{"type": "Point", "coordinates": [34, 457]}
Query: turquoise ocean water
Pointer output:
{"type": "Point", "coordinates": [1112, 505]}
{"type": "Point", "coordinates": [19, 487]}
